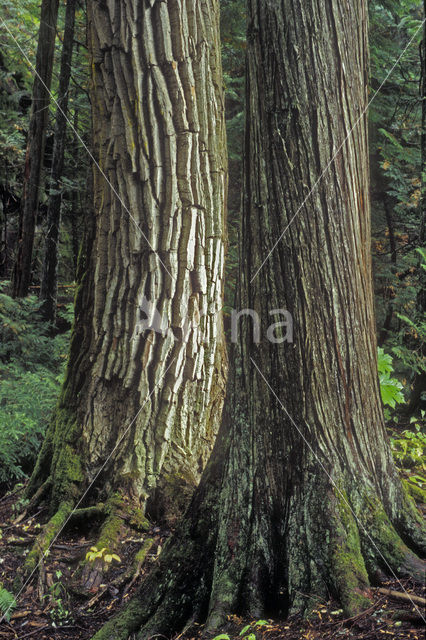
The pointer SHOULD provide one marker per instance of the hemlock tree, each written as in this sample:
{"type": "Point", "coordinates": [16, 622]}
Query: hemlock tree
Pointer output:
{"type": "Point", "coordinates": [150, 397]}
{"type": "Point", "coordinates": [300, 497]}
{"type": "Point", "coordinates": [21, 276]}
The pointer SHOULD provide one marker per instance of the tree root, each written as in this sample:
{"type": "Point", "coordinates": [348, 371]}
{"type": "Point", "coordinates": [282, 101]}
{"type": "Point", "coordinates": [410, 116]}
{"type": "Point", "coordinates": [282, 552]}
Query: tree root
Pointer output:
{"type": "Point", "coordinates": [198, 578]}
{"type": "Point", "coordinates": [133, 573]}
{"type": "Point", "coordinates": [38, 496]}
{"type": "Point", "coordinates": [119, 517]}
{"type": "Point", "coordinates": [87, 513]}
{"type": "Point", "coordinates": [403, 596]}
{"type": "Point", "coordinates": [47, 536]}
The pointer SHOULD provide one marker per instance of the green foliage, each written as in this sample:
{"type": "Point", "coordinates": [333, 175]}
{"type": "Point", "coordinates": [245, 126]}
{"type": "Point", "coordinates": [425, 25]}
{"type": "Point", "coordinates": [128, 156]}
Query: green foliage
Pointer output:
{"type": "Point", "coordinates": [31, 366]}
{"type": "Point", "coordinates": [7, 603]}
{"type": "Point", "coordinates": [390, 388]}
{"type": "Point", "coordinates": [409, 447]}
{"type": "Point", "coordinates": [102, 554]}
{"type": "Point", "coordinates": [248, 632]}
{"type": "Point", "coordinates": [58, 598]}
{"type": "Point", "coordinates": [396, 180]}
{"type": "Point", "coordinates": [408, 338]}
{"type": "Point", "coordinates": [18, 44]}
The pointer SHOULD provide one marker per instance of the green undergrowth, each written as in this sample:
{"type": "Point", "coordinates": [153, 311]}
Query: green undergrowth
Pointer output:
{"type": "Point", "coordinates": [408, 445]}
{"type": "Point", "coordinates": [32, 361]}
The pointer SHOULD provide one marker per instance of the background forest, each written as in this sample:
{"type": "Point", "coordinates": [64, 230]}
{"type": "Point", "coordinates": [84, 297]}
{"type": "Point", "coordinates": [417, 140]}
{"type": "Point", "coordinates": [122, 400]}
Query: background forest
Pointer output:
{"type": "Point", "coordinates": [37, 310]}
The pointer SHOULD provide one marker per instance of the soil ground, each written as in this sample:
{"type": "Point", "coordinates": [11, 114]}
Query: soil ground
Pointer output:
{"type": "Point", "coordinates": [47, 611]}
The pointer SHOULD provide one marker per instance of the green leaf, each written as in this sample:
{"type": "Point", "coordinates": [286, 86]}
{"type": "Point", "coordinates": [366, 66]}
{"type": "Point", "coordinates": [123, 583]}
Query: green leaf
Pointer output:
{"type": "Point", "coordinates": [243, 631]}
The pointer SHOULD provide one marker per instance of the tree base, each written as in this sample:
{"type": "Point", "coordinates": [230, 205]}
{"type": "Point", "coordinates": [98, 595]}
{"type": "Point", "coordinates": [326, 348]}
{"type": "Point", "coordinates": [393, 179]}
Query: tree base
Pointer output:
{"type": "Point", "coordinates": [211, 569]}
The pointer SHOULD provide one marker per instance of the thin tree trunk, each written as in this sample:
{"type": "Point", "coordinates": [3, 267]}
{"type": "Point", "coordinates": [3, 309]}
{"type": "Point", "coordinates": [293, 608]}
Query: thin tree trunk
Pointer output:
{"type": "Point", "coordinates": [419, 384]}
{"type": "Point", "coordinates": [151, 396]}
{"type": "Point", "coordinates": [384, 332]}
{"type": "Point", "coordinates": [301, 497]}
{"type": "Point", "coordinates": [21, 277]}
{"type": "Point", "coordinates": [49, 281]}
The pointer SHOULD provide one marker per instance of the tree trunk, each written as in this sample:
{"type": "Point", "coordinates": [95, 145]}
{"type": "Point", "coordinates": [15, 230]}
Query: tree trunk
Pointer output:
{"type": "Point", "coordinates": [49, 281]}
{"type": "Point", "coordinates": [142, 399]}
{"type": "Point", "coordinates": [419, 384]}
{"type": "Point", "coordinates": [423, 135]}
{"type": "Point", "coordinates": [301, 497]}
{"type": "Point", "coordinates": [21, 277]}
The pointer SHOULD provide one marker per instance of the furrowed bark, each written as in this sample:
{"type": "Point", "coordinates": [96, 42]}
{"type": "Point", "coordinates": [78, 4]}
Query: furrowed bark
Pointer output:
{"type": "Point", "coordinates": [21, 276]}
{"type": "Point", "coordinates": [147, 364]}
{"type": "Point", "coordinates": [301, 497]}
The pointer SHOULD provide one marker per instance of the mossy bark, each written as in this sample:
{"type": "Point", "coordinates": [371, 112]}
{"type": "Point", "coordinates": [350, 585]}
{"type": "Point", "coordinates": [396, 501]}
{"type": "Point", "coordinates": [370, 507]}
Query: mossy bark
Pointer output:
{"type": "Point", "coordinates": [301, 497]}
{"type": "Point", "coordinates": [148, 390]}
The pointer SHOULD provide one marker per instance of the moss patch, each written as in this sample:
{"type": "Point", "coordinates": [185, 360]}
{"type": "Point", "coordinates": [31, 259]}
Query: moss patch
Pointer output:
{"type": "Point", "coordinates": [46, 537]}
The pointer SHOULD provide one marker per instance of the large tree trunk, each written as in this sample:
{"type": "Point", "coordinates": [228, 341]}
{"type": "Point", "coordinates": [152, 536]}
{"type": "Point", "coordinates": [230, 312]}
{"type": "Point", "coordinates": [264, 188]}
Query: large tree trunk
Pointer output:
{"type": "Point", "coordinates": [140, 404]}
{"type": "Point", "coordinates": [301, 496]}
{"type": "Point", "coordinates": [49, 280]}
{"type": "Point", "coordinates": [21, 277]}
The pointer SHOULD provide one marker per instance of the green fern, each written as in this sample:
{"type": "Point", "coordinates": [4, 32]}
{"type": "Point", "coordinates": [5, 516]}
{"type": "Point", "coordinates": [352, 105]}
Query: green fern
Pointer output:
{"type": "Point", "coordinates": [7, 603]}
{"type": "Point", "coordinates": [32, 362]}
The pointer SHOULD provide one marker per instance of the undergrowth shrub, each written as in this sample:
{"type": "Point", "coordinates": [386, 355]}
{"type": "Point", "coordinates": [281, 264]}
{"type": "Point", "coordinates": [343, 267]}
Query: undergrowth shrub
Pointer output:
{"type": "Point", "coordinates": [32, 362]}
{"type": "Point", "coordinates": [408, 445]}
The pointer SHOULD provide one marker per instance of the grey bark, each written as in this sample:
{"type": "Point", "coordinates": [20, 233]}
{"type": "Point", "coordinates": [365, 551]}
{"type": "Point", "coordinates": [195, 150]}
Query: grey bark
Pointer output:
{"type": "Point", "coordinates": [159, 139]}
{"type": "Point", "coordinates": [290, 508]}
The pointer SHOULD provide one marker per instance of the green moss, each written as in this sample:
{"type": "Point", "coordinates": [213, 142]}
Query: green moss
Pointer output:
{"type": "Point", "coordinates": [122, 625]}
{"type": "Point", "coordinates": [414, 491]}
{"type": "Point", "coordinates": [348, 568]}
{"type": "Point", "coordinates": [385, 538]}
{"type": "Point", "coordinates": [140, 557]}
{"type": "Point", "coordinates": [137, 520]}
{"type": "Point", "coordinates": [47, 536]}
{"type": "Point", "coordinates": [111, 528]}
{"type": "Point", "coordinates": [67, 471]}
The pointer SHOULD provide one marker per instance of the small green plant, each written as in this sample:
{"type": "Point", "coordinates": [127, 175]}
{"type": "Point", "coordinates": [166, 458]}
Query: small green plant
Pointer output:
{"type": "Point", "coordinates": [247, 633]}
{"type": "Point", "coordinates": [60, 613]}
{"type": "Point", "coordinates": [102, 554]}
{"type": "Point", "coordinates": [409, 446]}
{"type": "Point", "coordinates": [390, 388]}
{"type": "Point", "coordinates": [7, 603]}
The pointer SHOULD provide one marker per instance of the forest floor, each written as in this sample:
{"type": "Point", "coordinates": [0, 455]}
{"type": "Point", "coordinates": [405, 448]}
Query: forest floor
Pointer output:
{"type": "Point", "coordinates": [47, 611]}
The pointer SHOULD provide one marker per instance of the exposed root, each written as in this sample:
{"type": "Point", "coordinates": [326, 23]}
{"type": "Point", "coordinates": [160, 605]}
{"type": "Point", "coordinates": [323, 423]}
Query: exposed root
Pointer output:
{"type": "Point", "coordinates": [333, 556]}
{"type": "Point", "coordinates": [47, 536]}
{"type": "Point", "coordinates": [119, 516]}
{"type": "Point", "coordinates": [40, 494]}
{"type": "Point", "coordinates": [88, 513]}
{"type": "Point", "coordinates": [403, 596]}
{"type": "Point", "coordinates": [130, 576]}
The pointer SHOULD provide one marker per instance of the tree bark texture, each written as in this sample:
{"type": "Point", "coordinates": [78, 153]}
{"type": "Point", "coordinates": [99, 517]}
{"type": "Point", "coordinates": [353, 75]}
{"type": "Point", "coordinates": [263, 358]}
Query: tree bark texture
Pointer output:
{"type": "Point", "coordinates": [159, 139]}
{"type": "Point", "coordinates": [301, 497]}
{"type": "Point", "coordinates": [49, 280]}
{"type": "Point", "coordinates": [21, 277]}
